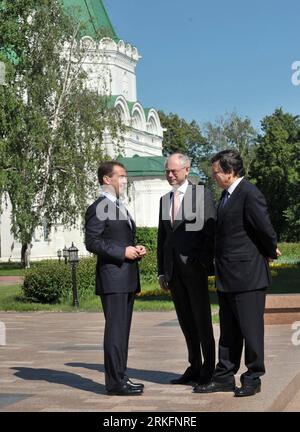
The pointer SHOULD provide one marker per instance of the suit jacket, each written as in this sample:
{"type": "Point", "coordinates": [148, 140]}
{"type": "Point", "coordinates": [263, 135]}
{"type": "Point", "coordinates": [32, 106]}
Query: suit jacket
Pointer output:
{"type": "Point", "coordinates": [108, 239]}
{"type": "Point", "coordinates": [180, 242]}
{"type": "Point", "coordinates": [245, 238]}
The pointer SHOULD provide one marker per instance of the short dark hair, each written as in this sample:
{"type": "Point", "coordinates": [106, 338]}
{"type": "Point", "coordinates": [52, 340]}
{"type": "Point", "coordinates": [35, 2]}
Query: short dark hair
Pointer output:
{"type": "Point", "coordinates": [107, 168]}
{"type": "Point", "coordinates": [230, 160]}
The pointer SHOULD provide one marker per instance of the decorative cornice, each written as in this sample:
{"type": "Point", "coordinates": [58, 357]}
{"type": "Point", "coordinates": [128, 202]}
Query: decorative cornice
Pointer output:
{"type": "Point", "coordinates": [107, 45]}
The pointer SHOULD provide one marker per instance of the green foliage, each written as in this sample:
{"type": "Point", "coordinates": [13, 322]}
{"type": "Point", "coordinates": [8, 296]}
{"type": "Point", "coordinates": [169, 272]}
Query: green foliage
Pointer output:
{"type": "Point", "coordinates": [51, 123]}
{"type": "Point", "coordinates": [50, 282]}
{"type": "Point", "coordinates": [290, 252]}
{"type": "Point", "coordinates": [183, 137]}
{"type": "Point", "coordinates": [148, 265]}
{"type": "Point", "coordinates": [47, 283]}
{"type": "Point", "coordinates": [232, 131]}
{"type": "Point", "coordinates": [276, 171]}
{"type": "Point", "coordinates": [147, 237]}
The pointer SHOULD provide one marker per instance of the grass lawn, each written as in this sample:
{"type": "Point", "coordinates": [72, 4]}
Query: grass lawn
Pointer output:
{"type": "Point", "coordinates": [11, 269]}
{"type": "Point", "coordinates": [12, 272]}
{"type": "Point", "coordinates": [10, 300]}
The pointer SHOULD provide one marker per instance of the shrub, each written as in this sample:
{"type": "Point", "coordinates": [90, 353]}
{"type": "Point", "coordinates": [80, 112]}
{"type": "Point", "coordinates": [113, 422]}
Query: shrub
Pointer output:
{"type": "Point", "coordinates": [50, 281]}
{"type": "Point", "coordinates": [147, 237]}
{"type": "Point", "coordinates": [47, 282]}
{"type": "Point", "coordinates": [148, 267]}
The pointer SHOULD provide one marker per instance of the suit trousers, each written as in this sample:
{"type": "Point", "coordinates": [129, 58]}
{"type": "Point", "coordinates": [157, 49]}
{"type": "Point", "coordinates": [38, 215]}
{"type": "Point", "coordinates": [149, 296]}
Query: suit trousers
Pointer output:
{"type": "Point", "coordinates": [117, 310]}
{"type": "Point", "coordinates": [241, 319]}
{"type": "Point", "coordinates": [189, 290]}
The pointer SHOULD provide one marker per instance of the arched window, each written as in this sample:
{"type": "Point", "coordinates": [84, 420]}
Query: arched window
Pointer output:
{"type": "Point", "coordinates": [152, 126]}
{"type": "Point", "coordinates": [137, 121]}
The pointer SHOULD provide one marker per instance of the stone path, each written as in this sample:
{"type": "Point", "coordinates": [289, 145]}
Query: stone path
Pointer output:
{"type": "Point", "coordinates": [54, 362]}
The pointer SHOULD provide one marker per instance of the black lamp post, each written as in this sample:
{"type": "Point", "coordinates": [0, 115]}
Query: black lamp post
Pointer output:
{"type": "Point", "coordinates": [59, 254]}
{"type": "Point", "coordinates": [65, 254]}
{"type": "Point", "coordinates": [73, 260]}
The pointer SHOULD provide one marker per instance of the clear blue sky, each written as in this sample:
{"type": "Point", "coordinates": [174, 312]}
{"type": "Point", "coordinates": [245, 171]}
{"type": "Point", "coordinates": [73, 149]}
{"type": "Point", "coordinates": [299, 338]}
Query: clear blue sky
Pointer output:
{"type": "Point", "coordinates": [203, 58]}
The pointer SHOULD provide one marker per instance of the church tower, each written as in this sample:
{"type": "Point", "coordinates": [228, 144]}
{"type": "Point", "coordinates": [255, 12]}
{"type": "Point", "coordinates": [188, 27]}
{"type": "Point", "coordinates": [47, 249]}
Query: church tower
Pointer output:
{"type": "Point", "coordinates": [110, 66]}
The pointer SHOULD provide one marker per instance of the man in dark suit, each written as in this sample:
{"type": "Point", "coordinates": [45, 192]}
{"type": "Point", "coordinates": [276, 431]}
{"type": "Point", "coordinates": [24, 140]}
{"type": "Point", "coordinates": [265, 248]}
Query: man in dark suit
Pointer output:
{"type": "Point", "coordinates": [110, 234]}
{"type": "Point", "coordinates": [245, 241]}
{"type": "Point", "coordinates": [185, 256]}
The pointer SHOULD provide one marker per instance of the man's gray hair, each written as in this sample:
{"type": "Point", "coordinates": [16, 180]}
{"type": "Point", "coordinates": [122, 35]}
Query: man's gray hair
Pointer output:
{"type": "Point", "coordinates": [183, 159]}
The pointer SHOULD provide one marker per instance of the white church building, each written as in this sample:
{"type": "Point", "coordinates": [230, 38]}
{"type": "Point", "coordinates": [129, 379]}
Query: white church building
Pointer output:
{"type": "Point", "coordinates": [111, 69]}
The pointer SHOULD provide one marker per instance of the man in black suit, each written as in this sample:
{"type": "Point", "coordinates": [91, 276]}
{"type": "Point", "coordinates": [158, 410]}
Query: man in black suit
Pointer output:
{"type": "Point", "coordinates": [110, 234]}
{"type": "Point", "coordinates": [185, 257]}
{"type": "Point", "coordinates": [245, 241]}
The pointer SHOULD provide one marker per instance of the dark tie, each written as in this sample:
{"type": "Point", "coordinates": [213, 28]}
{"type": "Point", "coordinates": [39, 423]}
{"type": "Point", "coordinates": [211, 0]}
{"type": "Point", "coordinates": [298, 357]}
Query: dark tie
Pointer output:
{"type": "Point", "coordinates": [225, 197]}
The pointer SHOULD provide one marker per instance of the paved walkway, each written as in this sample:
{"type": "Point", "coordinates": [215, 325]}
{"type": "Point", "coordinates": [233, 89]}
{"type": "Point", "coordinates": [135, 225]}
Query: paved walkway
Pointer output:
{"type": "Point", "coordinates": [54, 362]}
{"type": "Point", "coordinates": [10, 280]}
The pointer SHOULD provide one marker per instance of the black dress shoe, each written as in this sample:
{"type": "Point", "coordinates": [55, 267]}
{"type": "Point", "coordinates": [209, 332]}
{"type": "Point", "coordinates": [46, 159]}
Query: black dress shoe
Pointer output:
{"type": "Point", "coordinates": [247, 390]}
{"type": "Point", "coordinates": [186, 378]}
{"type": "Point", "coordinates": [213, 387]}
{"type": "Point", "coordinates": [125, 390]}
{"type": "Point", "coordinates": [134, 384]}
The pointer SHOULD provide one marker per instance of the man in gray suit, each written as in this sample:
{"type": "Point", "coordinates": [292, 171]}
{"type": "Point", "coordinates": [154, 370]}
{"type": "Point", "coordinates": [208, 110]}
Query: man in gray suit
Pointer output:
{"type": "Point", "coordinates": [185, 256]}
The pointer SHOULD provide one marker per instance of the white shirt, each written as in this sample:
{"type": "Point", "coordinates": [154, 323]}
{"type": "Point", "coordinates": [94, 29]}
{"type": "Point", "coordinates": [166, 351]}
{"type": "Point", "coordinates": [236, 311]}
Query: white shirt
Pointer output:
{"type": "Point", "coordinates": [110, 196]}
{"type": "Point", "coordinates": [231, 188]}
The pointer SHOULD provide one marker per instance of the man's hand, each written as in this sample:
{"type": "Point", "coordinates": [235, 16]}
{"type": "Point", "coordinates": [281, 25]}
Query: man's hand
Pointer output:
{"type": "Point", "coordinates": [278, 253]}
{"type": "Point", "coordinates": [163, 283]}
{"type": "Point", "coordinates": [131, 253]}
{"type": "Point", "coordinates": [141, 250]}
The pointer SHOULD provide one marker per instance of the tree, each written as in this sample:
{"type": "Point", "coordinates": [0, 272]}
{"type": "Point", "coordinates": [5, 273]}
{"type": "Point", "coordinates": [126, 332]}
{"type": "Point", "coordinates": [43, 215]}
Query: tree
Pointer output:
{"type": "Point", "coordinates": [51, 124]}
{"type": "Point", "coordinates": [276, 171]}
{"type": "Point", "coordinates": [183, 137]}
{"type": "Point", "coordinates": [232, 131]}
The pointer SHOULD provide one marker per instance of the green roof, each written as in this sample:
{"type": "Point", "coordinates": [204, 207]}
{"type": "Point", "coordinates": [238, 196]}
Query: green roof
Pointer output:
{"type": "Point", "coordinates": [143, 166]}
{"type": "Point", "coordinates": [112, 100]}
{"type": "Point", "coordinates": [93, 16]}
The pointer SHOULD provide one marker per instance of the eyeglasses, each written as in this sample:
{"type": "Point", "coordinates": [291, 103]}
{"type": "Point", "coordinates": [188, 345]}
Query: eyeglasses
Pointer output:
{"type": "Point", "coordinates": [174, 171]}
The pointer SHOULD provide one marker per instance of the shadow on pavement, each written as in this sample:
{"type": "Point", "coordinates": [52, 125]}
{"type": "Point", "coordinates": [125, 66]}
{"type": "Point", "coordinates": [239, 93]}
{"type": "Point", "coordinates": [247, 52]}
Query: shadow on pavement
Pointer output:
{"type": "Point", "coordinates": [158, 377]}
{"type": "Point", "coordinates": [60, 377]}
